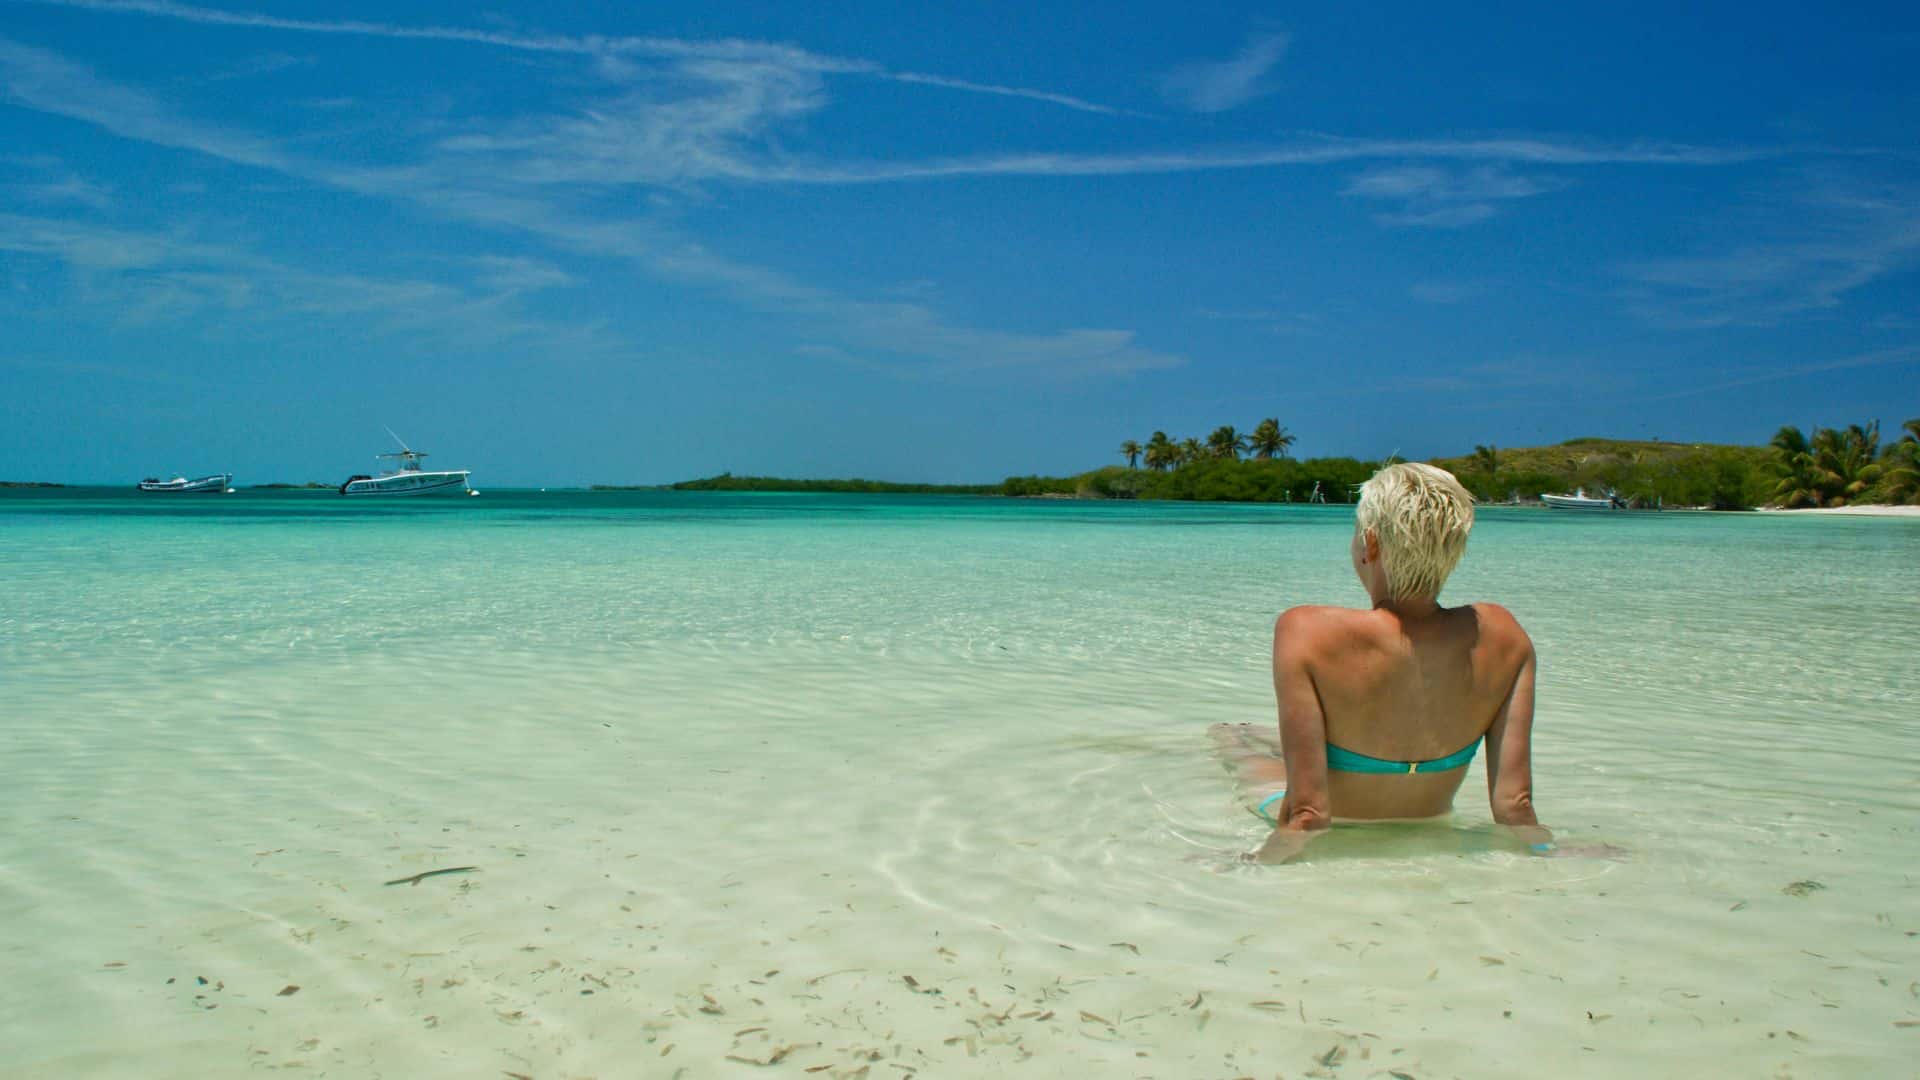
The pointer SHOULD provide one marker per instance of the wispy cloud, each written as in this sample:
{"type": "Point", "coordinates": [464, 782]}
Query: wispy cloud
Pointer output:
{"type": "Point", "coordinates": [1218, 85]}
{"type": "Point", "coordinates": [1282, 322]}
{"type": "Point", "coordinates": [1809, 253]}
{"type": "Point", "coordinates": [86, 247]}
{"type": "Point", "coordinates": [46, 179]}
{"type": "Point", "coordinates": [710, 113]}
{"type": "Point", "coordinates": [519, 274]}
{"type": "Point", "coordinates": [1909, 354]}
{"type": "Point", "coordinates": [589, 45]}
{"type": "Point", "coordinates": [902, 332]}
{"type": "Point", "coordinates": [139, 278]}
{"type": "Point", "coordinates": [1473, 385]}
{"type": "Point", "coordinates": [715, 116]}
{"type": "Point", "coordinates": [1447, 291]}
{"type": "Point", "coordinates": [609, 50]}
{"type": "Point", "coordinates": [68, 189]}
{"type": "Point", "coordinates": [43, 80]}
{"type": "Point", "coordinates": [1309, 151]}
{"type": "Point", "coordinates": [1433, 197]}
{"type": "Point", "coordinates": [1517, 373]}
{"type": "Point", "coordinates": [705, 124]}
{"type": "Point", "coordinates": [260, 64]}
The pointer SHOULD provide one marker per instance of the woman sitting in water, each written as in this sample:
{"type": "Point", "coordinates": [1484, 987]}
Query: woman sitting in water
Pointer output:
{"type": "Point", "coordinates": [1381, 710]}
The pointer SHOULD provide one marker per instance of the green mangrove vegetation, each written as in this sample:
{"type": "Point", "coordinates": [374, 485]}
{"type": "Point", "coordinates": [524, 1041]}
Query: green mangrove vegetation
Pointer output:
{"type": "Point", "coordinates": [729, 482]}
{"type": "Point", "coordinates": [1845, 466]}
{"type": "Point", "coordinates": [1832, 467]}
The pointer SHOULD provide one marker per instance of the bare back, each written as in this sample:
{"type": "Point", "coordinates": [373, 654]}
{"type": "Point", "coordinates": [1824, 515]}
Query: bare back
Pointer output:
{"type": "Point", "coordinates": [1404, 689]}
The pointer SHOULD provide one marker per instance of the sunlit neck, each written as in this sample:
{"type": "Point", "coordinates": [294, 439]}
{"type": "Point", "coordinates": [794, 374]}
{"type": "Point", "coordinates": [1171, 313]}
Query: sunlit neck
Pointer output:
{"type": "Point", "coordinates": [1407, 609]}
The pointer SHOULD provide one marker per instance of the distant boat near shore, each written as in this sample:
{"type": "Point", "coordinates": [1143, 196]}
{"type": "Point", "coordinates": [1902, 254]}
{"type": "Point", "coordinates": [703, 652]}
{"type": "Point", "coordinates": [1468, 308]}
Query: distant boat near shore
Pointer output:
{"type": "Point", "coordinates": [1580, 500]}
{"type": "Point", "coordinates": [409, 478]}
{"type": "Point", "coordinates": [218, 483]}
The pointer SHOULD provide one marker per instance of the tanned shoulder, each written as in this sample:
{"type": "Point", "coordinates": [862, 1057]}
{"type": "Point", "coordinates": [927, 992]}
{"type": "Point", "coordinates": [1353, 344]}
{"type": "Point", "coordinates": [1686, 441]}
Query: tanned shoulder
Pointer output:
{"type": "Point", "coordinates": [1498, 624]}
{"type": "Point", "coordinates": [1305, 630]}
{"type": "Point", "coordinates": [1308, 619]}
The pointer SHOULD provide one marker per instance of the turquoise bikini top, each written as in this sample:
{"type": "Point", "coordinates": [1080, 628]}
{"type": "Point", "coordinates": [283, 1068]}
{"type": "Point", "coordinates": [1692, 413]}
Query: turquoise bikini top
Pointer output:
{"type": "Point", "coordinates": [1341, 760]}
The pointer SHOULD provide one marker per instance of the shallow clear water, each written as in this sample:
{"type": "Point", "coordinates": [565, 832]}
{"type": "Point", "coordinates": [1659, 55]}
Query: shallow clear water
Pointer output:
{"type": "Point", "coordinates": [917, 784]}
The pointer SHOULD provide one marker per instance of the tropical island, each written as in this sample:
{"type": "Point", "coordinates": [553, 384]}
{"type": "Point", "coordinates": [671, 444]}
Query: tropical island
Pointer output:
{"type": "Point", "coordinates": [1833, 467]}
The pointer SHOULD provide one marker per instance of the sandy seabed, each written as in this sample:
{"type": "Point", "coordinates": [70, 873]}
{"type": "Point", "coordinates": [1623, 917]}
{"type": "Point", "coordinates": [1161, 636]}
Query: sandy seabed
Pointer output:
{"type": "Point", "coordinates": [864, 787]}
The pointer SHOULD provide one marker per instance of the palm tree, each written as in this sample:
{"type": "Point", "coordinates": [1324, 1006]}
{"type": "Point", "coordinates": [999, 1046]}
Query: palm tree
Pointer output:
{"type": "Point", "coordinates": [1486, 459]}
{"type": "Point", "coordinates": [1226, 442]}
{"type": "Point", "coordinates": [1270, 440]}
{"type": "Point", "coordinates": [1191, 450]}
{"type": "Point", "coordinates": [1131, 451]}
{"type": "Point", "coordinates": [1843, 462]}
{"type": "Point", "coordinates": [1900, 478]}
{"type": "Point", "coordinates": [1793, 462]}
{"type": "Point", "coordinates": [1160, 451]}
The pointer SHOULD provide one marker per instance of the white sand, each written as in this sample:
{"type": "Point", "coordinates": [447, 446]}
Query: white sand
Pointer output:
{"type": "Point", "coordinates": [1860, 511]}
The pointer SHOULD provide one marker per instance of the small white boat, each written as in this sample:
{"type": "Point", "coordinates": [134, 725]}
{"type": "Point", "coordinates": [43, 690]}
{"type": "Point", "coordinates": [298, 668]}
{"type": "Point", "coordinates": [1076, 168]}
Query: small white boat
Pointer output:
{"type": "Point", "coordinates": [409, 478]}
{"type": "Point", "coordinates": [1580, 500]}
{"type": "Point", "coordinates": [218, 483]}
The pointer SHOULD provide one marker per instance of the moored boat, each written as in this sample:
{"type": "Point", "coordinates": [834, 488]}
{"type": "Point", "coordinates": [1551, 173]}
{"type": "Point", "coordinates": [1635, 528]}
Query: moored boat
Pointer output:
{"type": "Point", "coordinates": [1580, 500]}
{"type": "Point", "coordinates": [218, 483]}
{"type": "Point", "coordinates": [408, 478]}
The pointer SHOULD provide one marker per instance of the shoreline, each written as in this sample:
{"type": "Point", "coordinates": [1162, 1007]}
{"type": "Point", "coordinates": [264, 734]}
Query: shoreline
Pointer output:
{"type": "Point", "coordinates": [1866, 510]}
{"type": "Point", "coordinates": [1879, 510]}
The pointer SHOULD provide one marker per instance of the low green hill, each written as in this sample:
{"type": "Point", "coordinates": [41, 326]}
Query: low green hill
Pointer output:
{"type": "Point", "coordinates": [1667, 473]}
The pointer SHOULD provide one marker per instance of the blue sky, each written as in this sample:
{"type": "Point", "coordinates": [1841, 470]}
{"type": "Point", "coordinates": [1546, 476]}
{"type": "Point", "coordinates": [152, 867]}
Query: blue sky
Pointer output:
{"type": "Point", "coordinates": [637, 243]}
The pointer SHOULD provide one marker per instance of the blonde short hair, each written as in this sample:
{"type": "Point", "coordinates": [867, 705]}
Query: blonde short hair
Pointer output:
{"type": "Point", "coordinates": [1421, 516]}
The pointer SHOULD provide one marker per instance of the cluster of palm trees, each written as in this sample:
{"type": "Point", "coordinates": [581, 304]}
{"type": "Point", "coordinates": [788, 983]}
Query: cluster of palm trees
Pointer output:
{"type": "Point", "coordinates": [1838, 466]}
{"type": "Point", "coordinates": [1268, 441]}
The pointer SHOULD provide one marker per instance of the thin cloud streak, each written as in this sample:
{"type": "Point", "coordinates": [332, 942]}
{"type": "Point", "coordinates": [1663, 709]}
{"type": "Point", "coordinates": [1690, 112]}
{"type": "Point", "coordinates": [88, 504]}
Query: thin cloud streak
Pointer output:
{"type": "Point", "coordinates": [1063, 100]}
{"type": "Point", "coordinates": [1907, 354]}
{"type": "Point", "coordinates": [1325, 151]}
{"type": "Point", "coordinates": [591, 45]}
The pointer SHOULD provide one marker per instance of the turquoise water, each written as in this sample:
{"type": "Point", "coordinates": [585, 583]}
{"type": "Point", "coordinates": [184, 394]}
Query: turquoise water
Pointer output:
{"type": "Point", "coordinates": [917, 784]}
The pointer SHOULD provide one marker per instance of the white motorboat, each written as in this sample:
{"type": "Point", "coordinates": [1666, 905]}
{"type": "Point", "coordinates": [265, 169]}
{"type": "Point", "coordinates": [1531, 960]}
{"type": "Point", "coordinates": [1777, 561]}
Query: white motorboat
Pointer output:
{"type": "Point", "coordinates": [409, 478]}
{"type": "Point", "coordinates": [218, 483]}
{"type": "Point", "coordinates": [1580, 500]}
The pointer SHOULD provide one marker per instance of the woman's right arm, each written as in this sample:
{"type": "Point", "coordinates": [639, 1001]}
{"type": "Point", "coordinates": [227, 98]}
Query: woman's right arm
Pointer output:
{"type": "Point", "coordinates": [1303, 737]}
